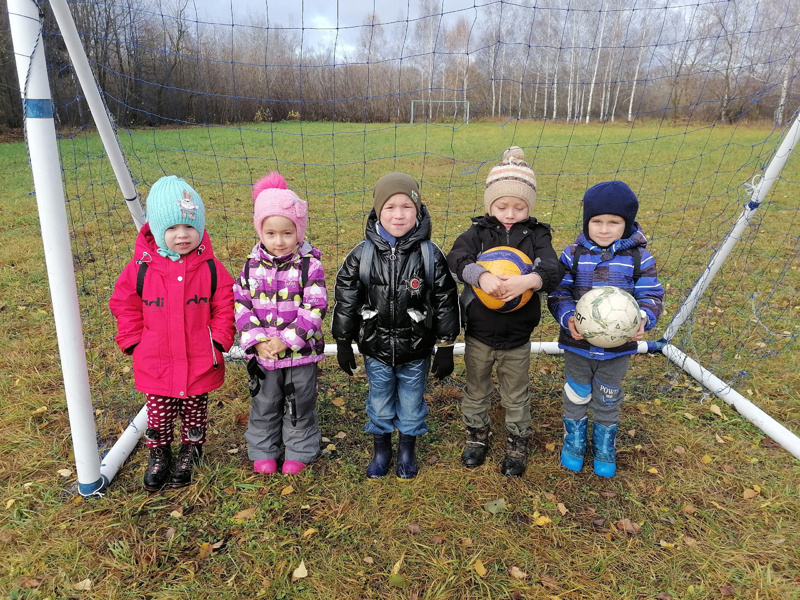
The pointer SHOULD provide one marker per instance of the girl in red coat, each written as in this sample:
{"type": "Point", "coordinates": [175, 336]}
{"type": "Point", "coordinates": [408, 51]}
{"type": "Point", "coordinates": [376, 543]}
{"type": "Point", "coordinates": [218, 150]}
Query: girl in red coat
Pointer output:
{"type": "Point", "coordinates": [174, 308]}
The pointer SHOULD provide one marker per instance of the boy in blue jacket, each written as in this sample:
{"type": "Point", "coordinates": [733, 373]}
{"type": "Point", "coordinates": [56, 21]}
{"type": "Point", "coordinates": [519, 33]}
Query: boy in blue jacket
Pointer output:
{"type": "Point", "coordinates": [609, 252]}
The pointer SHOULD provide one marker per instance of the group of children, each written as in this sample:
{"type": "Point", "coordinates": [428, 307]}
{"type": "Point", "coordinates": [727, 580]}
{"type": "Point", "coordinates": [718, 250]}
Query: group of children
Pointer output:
{"type": "Point", "coordinates": [396, 298]}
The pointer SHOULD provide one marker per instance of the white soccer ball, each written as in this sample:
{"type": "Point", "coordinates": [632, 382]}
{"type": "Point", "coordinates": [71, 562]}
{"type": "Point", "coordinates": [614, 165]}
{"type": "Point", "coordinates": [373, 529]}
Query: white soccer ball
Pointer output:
{"type": "Point", "coordinates": [607, 317]}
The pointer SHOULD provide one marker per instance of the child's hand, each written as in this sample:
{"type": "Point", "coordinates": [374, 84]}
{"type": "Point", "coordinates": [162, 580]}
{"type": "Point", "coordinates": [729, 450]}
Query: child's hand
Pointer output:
{"type": "Point", "coordinates": [492, 285]}
{"type": "Point", "coordinates": [270, 349]}
{"type": "Point", "coordinates": [263, 350]}
{"type": "Point", "coordinates": [276, 346]}
{"type": "Point", "coordinates": [516, 285]}
{"type": "Point", "coordinates": [639, 334]}
{"type": "Point", "coordinates": [573, 332]}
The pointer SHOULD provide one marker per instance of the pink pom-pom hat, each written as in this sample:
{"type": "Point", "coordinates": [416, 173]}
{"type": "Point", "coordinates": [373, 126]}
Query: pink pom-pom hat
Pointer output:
{"type": "Point", "coordinates": [271, 198]}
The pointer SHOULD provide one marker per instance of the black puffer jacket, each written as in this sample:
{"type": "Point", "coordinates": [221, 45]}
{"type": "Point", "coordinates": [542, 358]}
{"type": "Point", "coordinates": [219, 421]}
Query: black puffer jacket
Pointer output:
{"type": "Point", "coordinates": [513, 329]}
{"type": "Point", "coordinates": [387, 320]}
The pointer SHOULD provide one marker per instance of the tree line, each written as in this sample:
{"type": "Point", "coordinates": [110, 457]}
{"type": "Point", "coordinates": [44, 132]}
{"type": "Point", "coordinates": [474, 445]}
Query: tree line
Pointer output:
{"type": "Point", "coordinates": [158, 62]}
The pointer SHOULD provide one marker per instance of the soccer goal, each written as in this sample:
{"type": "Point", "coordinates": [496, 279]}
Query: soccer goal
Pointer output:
{"type": "Point", "coordinates": [701, 125]}
{"type": "Point", "coordinates": [450, 111]}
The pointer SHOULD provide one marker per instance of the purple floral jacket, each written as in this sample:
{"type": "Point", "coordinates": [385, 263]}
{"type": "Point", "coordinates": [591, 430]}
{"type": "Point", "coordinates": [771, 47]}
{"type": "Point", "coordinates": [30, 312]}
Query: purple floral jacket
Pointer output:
{"type": "Point", "coordinates": [271, 301]}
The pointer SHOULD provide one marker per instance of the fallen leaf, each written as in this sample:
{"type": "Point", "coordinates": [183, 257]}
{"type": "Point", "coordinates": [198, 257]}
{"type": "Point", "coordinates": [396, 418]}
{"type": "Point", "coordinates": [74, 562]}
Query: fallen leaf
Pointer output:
{"type": "Point", "coordinates": [169, 533]}
{"type": "Point", "coordinates": [397, 580]}
{"type": "Point", "coordinates": [716, 410]}
{"type": "Point", "coordinates": [234, 450]}
{"type": "Point", "coordinates": [341, 435]}
{"type": "Point", "coordinates": [465, 541]}
{"type": "Point", "coordinates": [653, 470]}
{"type": "Point", "coordinates": [542, 521]}
{"type": "Point", "coordinates": [728, 469]}
{"type": "Point", "coordinates": [664, 544]}
{"type": "Point", "coordinates": [300, 572]}
{"type": "Point", "coordinates": [706, 459]}
{"type": "Point", "coordinates": [64, 472]}
{"type": "Point", "coordinates": [398, 565]}
{"type": "Point", "coordinates": [628, 526]}
{"type": "Point", "coordinates": [437, 539]}
{"type": "Point", "coordinates": [287, 490]}
{"type": "Point", "coordinates": [495, 506]}
{"type": "Point", "coordinates": [768, 443]}
{"type": "Point", "coordinates": [689, 541]}
{"type": "Point", "coordinates": [331, 447]}
{"type": "Point", "coordinates": [719, 439]}
{"type": "Point", "coordinates": [309, 532]}
{"type": "Point", "coordinates": [599, 522]}
{"type": "Point", "coordinates": [632, 432]}
{"type": "Point", "coordinates": [10, 502]}
{"type": "Point", "coordinates": [689, 509]}
{"type": "Point", "coordinates": [245, 514]}
{"type": "Point", "coordinates": [689, 416]}
{"type": "Point", "coordinates": [517, 573]}
{"type": "Point", "coordinates": [726, 590]}
{"type": "Point", "coordinates": [338, 401]}
{"type": "Point", "coordinates": [664, 596]}
{"type": "Point", "coordinates": [177, 513]}
{"type": "Point", "coordinates": [205, 550]}
{"type": "Point", "coordinates": [550, 447]}
{"type": "Point", "coordinates": [369, 560]}
{"type": "Point", "coordinates": [749, 494]}
{"type": "Point", "coordinates": [40, 410]}
{"type": "Point", "coordinates": [242, 419]}
{"type": "Point", "coordinates": [84, 585]}
{"type": "Point", "coordinates": [30, 583]}
{"type": "Point", "coordinates": [550, 497]}
{"type": "Point", "coordinates": [479, 568]}
{"type": "Point", "coordinates": [609, 494]}
{"type": "Point", "coordinates": [562, 508]}
{"type": "Point", "coordinates": [432, 459]}
{"type": "Point", "coordinates": [549, 582]}
{"type": "Point", "coordinates": [679, 450]}
{"type": "Point", "coordinates": [414, 529]}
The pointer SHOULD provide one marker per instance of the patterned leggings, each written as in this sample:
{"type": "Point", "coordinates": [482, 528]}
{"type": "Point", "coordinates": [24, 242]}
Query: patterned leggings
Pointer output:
{"type": "Point", "coordinates": [161, 414]}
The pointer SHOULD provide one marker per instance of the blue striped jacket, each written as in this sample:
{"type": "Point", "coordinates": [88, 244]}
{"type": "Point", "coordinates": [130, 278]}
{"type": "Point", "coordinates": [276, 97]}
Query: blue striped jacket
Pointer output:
{"type": "Point", "coordinates": [606, 266]}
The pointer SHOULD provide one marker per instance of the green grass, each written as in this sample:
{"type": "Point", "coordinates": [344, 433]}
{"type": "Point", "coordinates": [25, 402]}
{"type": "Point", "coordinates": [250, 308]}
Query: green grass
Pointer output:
{"type": "Point", "coordinates": [683, 469]}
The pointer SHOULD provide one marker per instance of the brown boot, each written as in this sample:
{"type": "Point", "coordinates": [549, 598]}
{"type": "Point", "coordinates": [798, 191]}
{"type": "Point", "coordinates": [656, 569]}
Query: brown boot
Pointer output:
{"type": "Point", "coordinates": [477, 447]}
{"type": "Point", "coordinates": [516, 455]}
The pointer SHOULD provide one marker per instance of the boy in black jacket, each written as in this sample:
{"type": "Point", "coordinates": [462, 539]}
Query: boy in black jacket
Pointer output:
{"type": "Point", "coordinates": [396, 298]}
{"type": "Point", "coordinates": [497, 337]}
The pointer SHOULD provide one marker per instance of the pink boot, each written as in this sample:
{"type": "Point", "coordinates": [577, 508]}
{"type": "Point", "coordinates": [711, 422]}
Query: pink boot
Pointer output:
{"type": "Point", "coordinates": [292, 467]}
{"type": "Point", "coordinates": [265, 466]}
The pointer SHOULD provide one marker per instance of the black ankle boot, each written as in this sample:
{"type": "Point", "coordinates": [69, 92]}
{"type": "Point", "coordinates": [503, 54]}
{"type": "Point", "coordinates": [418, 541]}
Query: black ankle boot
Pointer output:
{"type": "Point", "coordinates": [155, 475]}
{"type": "Point", "coordinates": [188, 456]}
{"type": "Point", "coordinates": [477, 447]}
{"type": "Point", "coordinates": [381, 455]}
{"type": "Point", "coordinates": [406, 457]}
{"type": "Point", "coordinates": [516, 455]}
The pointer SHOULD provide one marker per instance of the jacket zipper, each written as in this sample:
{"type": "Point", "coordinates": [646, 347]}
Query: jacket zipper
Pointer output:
{"type": "Point", "coordinates": [393, 266]}
{"type": "Point", "coordinates": [213, 354]}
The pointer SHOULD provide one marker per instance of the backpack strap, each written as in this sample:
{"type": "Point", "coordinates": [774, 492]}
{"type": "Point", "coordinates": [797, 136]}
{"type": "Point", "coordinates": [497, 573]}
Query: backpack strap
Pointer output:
{"type": "Point", "coordinates": [212, 267]}
{"type": "Point", "coordinates": [427, 262]}
{"type": "Point", "coordinates": [140, 278]}
{"type": "Point", "coordinates": [365, 265]}
{"type": "Point", "coordinates": [636, 255]}
{"type": "Point", "coordinates": [306, 261]}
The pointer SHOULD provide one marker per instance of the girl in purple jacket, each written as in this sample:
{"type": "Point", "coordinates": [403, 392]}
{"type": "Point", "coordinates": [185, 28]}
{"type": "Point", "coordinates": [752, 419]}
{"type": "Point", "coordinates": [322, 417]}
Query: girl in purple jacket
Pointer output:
{"type": "Point", "coordinates": [281, 299]}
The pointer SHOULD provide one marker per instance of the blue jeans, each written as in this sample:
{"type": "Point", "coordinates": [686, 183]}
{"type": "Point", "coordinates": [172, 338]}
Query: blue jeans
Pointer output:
{"type": "Point", "coordinates": [396, 397]}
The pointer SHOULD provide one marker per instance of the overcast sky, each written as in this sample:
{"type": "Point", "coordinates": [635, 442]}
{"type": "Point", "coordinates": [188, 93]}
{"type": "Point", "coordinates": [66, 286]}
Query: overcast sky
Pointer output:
{"type": "Point", "coordinates": [325, 16]}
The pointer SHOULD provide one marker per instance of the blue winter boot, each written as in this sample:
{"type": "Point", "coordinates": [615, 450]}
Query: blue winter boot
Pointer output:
{"type": "Point", "coordinates": [605, 456]}
{"type": "Point", "coordinates": [574, 443]}
{"type": "Point", "coordinates": [381, 455]}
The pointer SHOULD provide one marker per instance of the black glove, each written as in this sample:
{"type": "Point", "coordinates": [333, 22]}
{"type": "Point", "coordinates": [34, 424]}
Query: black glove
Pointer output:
{"type": "Point", "coordinates": [442, 362]}
{"type": "Point", "coordinates": [345, 357]}
{"type": "Point", "coordinates": [256, 375]}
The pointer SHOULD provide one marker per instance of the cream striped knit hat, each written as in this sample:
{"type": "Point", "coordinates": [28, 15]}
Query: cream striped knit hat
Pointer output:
{"type": "Point", "coordinates": [511, 177]}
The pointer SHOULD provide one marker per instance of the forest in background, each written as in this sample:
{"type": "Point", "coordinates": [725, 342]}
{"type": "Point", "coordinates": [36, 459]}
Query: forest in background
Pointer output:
{"type": "Point", "coordinates": [158, 62]}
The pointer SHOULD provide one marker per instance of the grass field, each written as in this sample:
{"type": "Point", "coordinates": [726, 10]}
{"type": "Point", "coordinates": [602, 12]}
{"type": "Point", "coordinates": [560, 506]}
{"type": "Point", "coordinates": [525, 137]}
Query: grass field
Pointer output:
{"type": "Point", "coordinates": [703, 505]}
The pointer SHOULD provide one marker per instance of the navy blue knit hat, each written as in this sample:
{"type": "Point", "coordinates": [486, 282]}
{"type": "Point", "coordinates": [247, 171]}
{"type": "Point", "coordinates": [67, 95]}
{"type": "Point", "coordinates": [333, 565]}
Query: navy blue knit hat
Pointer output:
{"type": "Point", "coordinates": [610, 198]}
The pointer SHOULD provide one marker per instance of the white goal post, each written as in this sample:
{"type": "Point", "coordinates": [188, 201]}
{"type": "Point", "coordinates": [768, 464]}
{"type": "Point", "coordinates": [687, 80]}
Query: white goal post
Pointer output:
{"type": "Point", "coordinates": [456, 107]}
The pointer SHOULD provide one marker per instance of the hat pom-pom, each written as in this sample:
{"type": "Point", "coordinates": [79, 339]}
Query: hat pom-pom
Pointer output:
{"type": "Point", "coordinates": [514, 152]}
{"type": "Point", "coordinates": [272, 181]}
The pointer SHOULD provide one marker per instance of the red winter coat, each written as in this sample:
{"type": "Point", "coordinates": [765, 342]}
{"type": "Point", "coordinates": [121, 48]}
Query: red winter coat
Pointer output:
{"type": "Point", "coordinates": [175, 337]}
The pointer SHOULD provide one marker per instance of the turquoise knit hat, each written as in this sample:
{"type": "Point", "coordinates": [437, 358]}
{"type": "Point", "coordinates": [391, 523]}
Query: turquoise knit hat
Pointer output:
{"type": "Point", "coordinates": [171, 202]}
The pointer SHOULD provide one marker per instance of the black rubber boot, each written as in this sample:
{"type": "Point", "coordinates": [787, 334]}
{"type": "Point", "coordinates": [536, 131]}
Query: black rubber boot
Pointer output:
{"type": "Point", "coordinates": [188, 456]}
{"type": "Point", "coordinates": [477, 447]}
{"type": "Point", "coordinates": [381, 455]}
{"type": "Point", "coordinates": [516, 455]}
{"type": "Point", "coordinates": [157, 471]}
{"type": "Point", "coordinates": [406, 457]}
